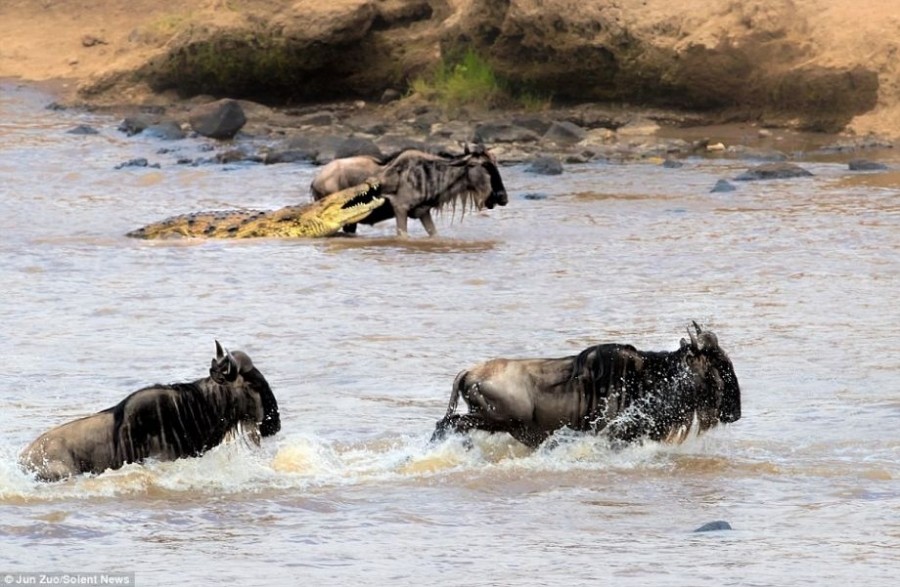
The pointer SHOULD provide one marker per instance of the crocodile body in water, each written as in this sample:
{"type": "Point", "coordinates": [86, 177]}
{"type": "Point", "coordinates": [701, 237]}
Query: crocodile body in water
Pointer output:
{"type": "Point", "coordinates": [323, 217]}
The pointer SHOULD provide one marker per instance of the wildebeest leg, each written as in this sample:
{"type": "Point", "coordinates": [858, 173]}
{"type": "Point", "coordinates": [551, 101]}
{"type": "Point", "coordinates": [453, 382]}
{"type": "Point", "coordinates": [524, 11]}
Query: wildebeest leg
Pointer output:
{"type": "Point", "coordinates": [50, 460]}
{"type": "Point", "coordinates": [527, 435]}
{"type": "Point", "coordinates": [462, 423]}
{"type": "Point", "coordinates": [428, 223]}
{"type": "Point", "coordinates": [350, 228]}
{"type": "Point", "coordinates": [401, 223]}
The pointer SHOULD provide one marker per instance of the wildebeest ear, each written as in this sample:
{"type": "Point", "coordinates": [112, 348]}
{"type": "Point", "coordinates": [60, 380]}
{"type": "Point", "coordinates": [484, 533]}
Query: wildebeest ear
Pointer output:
{"type": "Point", "coordinates": [709, 340]}
{"type": "Point", "coordinates": [243, 361]}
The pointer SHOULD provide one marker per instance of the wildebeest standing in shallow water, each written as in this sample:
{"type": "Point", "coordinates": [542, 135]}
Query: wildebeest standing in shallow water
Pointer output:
{"type": "Point", "coordinates": [164, 422]}
{"type": "Point", "coordinates": [627, 393]}
{"type": "Point", "coordinates": [414, 182]}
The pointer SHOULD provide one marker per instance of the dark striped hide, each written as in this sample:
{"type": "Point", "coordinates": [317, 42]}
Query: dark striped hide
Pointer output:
{"type": "Point", "coordinates": [415, 182]}
{"type": "Point", "coordinates": [612, 388]}
{"type": "Point", "coordinates": [164, 422]}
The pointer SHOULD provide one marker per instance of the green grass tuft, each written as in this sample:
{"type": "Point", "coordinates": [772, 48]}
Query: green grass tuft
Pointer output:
{"type": "Point", "coordinates": [469, 81]}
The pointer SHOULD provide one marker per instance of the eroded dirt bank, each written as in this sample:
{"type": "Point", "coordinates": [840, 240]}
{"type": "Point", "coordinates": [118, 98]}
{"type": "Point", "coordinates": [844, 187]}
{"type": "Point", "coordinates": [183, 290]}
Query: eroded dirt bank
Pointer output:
{"type": "Point", "coordinates": [811, 64]}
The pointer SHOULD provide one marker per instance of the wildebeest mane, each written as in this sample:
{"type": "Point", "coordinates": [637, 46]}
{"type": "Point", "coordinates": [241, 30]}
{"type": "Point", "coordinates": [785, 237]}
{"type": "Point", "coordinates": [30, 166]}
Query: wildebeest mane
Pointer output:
{"type": "Point", "coordinates": [441, 182]}
{"type": "Point", "coordinates": [179, 419]}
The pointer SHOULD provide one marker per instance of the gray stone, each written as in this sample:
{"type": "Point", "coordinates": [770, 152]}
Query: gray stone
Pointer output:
{"type": "Point", "coordinates": [773, 171]}
{"type": "Point", "coordinates": [564, 133]}
{"type": "Point", "coordinates": [503, 132]}
{"type": "Point", "coordinates": [221, 119]}
{"type": "Point", "coordinates": [353, 146]}
{"type": "Point", "coordinates": [167, 130]}
{"type": "Point", "coordinates": [545, 165]}
{"type": "Point", "coordinates": [715, 526]}
{"type": "Point", "coordinates": [866, 165]}
{"type": "Point", "coordinates": [83, 129]}
{"type": "Point", "coordinates": [723, 185]}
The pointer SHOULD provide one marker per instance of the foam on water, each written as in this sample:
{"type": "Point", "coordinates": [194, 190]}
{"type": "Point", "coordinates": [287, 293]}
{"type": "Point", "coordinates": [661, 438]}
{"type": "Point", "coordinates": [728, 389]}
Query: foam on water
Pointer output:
{"type": "Point", "coordinates": [300, 462]}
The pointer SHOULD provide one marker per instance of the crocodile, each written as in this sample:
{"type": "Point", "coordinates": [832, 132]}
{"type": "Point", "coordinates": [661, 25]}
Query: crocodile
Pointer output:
{"type": "Point", "coordinates": [323, 217]}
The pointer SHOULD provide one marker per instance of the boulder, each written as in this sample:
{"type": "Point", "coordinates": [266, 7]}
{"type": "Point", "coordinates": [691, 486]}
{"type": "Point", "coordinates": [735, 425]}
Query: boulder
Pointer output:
{"type": "Point", "coordinates": [545, 165]}
{"type": "Point", "coordinates": [354, 146]}
{"type": "Point", "coordinates": [221, 119]}
{"type": "Point", "coordinates": [167, 130]}
{"type": "Point", "coordinates": [564, 133]}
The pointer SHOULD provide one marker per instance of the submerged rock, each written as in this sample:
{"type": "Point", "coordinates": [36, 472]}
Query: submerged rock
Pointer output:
{"type": "Point", "coordinates": [866, 165]}
{"type": "Point", "coordinates": [138, 162]}
{"type": "Point", "coordinates": [715, 526]}
{"type": "Point", "coordinates": [773, 171]}
{"type": "Point", "coordinates": [723, 185]}
{"type": "Point", "coordinates": [83, 129]}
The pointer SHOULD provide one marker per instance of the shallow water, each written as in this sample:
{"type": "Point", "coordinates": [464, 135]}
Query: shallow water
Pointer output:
{"type": "Point", "coordinates": [361, 338]}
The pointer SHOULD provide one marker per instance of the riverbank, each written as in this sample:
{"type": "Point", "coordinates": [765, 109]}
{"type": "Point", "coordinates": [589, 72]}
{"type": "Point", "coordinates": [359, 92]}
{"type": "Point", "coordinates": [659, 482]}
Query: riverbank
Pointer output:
{"type": "Point", "coordinates": [605, 82]}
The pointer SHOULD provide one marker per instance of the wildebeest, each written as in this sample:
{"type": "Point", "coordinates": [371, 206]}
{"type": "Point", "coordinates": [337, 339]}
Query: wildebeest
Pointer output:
{"type": "Point", "coordinates": [415, 182]}
{"type": "Point", "coordinates": [164, 422]}
{"type": "Point", "coordinates": [626, 393]}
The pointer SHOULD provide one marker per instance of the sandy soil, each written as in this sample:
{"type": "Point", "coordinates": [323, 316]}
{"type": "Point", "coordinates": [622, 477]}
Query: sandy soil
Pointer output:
{"type": "Point", "coordinates": [73, 41]}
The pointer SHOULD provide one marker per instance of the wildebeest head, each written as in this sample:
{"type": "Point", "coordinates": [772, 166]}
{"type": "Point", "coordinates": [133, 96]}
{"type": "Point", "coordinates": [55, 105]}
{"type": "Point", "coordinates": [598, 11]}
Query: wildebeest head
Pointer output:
{"type": "Point", "coordinates": [227, 367]}
{"type": "Point", "coordinates": [714, 375]}
{"type": "Point", "coordinates": [484, 176]}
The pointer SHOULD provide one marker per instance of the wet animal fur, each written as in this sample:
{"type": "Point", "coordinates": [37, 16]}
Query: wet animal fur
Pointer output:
{"type": "Point", "coordinates": [415, 183]}
{"type": "Point", "coordinates": [164, 422]}
{"type": "Point", "coordinates": [626, 393]}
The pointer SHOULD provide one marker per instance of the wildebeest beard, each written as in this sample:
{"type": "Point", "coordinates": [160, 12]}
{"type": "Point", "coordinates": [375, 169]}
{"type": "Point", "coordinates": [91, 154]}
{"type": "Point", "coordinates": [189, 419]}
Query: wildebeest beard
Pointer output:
{"type": "Point", "coordinates": [165, 422]}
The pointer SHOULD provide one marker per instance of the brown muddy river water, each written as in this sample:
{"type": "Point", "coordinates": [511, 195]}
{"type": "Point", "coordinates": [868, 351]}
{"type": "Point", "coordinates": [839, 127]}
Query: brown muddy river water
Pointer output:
{"type": "Point", "coordinates": [361, 338]}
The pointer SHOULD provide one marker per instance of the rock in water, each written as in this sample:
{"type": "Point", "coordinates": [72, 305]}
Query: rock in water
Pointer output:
{"type": "Point", "coordinates": [723, 185]}
{"type": "Point", "coordinates": [773, 171]}
{"type": "Point", "coordinates": [218, 120]}
{"type": "Point", "coordinates": [545, 165]}
{"type": "Point", "coordinates": [865, 165]}
{"type": "Point", "coordinates": [714, 526]}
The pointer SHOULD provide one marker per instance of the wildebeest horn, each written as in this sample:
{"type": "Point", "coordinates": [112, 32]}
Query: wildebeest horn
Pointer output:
{"type": "Point", "coordinates": [694, 344]}
{"type": "Point", "coordinates": [220, 352]}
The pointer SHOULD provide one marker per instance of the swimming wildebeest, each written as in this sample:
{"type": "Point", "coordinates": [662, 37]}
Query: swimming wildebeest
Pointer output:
{"type": "Point", "coordinates": [626, 393]}
{"type": "Point", "coordinates": [164, 422]}
{"type": "Point", "coordinates": [415, 182]}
